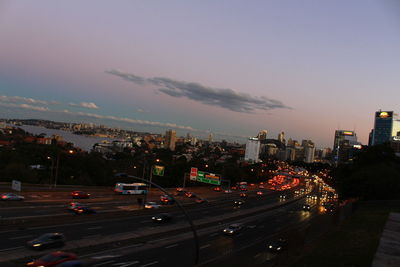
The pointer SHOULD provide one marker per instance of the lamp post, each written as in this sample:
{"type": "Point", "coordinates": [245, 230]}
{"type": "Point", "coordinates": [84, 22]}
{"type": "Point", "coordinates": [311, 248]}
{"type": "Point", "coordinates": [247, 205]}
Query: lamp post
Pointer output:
{"type": "Point", "coordinates": [57, 165]}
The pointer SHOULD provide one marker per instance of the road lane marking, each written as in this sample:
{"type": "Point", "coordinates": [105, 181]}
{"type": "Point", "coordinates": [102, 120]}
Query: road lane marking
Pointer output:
{"type": "Point", "coordinates": [95, 228]}
{"type": "Point", "coordinates": [148, 264]}
{"type": "Point", "coordinates": [172, 246]}
{"type": "Point", "coordinates": [105, 257]}
{"type": "Point", "coordinates": [14, 248]}
{"type": "Point", "coordinates": [125, 264]}
{"type": "Point", "coordinates": [20, 237]}
{"type": "Point", "coordinates": [205, 246]}
{"type": "Point", "coordinates": [103, 263]}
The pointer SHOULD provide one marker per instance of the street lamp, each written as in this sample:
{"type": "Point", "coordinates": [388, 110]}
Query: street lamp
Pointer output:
{"type": "Point", "coordinates": [58, 164]}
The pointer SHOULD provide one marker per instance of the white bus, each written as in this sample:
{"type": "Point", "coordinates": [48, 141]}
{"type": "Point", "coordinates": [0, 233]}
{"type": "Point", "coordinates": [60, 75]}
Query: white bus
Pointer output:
{"type": "Point", "coordinates": [130, 189]}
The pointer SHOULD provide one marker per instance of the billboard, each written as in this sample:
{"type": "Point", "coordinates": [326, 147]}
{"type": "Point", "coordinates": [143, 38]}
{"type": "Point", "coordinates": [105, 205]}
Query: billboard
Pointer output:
{"type": "Point", "coordinates": [158, 170]}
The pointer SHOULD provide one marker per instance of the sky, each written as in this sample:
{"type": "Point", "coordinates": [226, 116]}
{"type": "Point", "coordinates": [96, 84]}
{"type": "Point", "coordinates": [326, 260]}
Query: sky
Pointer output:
{"type": "Point", "coordinates": [227, 67]}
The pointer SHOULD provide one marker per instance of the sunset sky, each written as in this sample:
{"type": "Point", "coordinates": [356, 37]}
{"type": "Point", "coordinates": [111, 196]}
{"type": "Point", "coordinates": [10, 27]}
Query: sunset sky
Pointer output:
{"type": "Point", "coordinates": [230, 67]}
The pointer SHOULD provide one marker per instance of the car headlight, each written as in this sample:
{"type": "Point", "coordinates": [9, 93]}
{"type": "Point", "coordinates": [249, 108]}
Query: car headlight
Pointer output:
{"type": "Point", "coordinates": [159, 219]}
{"type": "Point", "coordinates": [153, 218]}
{"type": "Point", "coordinates": [37, 245]}
{"type": "Point", "coordinates": [270, 246]}
{"type": "Point", "coordinates": [278, 248]}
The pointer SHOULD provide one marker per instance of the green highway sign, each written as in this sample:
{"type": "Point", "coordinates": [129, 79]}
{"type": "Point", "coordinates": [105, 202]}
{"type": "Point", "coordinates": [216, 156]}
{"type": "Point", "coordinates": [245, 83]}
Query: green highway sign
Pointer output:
{"type": "Point", "coordinates": [158, 170]}
{"type": "Point", "coordinates": [205, 177]}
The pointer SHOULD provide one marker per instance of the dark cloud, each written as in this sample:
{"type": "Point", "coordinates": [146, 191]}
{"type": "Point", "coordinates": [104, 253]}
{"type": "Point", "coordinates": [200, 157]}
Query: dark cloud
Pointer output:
{"type": "Point", "coordinates": [225, 98]}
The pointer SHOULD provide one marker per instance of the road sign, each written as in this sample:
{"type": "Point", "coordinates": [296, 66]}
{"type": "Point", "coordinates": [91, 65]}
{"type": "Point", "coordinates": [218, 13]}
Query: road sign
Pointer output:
{"type": "Point", "coordinates": [158, 170]}
{"type": "Point", "coordinates": [193, 174]}
{"type": "Point", "coordinates": [16, 185]}
{"type": "Point", "coordinates": [204, 177]}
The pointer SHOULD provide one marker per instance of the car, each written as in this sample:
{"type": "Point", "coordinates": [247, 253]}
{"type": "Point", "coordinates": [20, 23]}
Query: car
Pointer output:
{"type": "Point", "coordinates": [217, 189]}
{"type": "Point", "coordinates": [166, 199]}
{"type": "Point", "coordinates": [11, 196]}
{"type": "Point", "coordinates": [151, 205]}
{"type": "Point", "coordinates": [277, 245]}
{"type": "Point", "coordinates": [73, 263]}
{"type": "Point", "coordinates": [49, 240]}
{"type": "Point", "coordinates": [261, 187]}
{"type": "Point", "coordinates": [201, 200]}
{"type": "Point", "coordinates": [52, 259]}
{"type": "Point", "coordinates": [243, 195]}
{"type": "Point", "coordinates": [227, 191]}
{"type": "Point", "coordinates": [234, 188]}
{"type": "Point", "coordinates": [73, 205]}
{"type": "Point", "coordinates": [163, 217]}
{"type": "Point", "coordinates": [260, 193]}
{"type": "Point", "coordinates": [180, 189]}
{"type": "Point", "coordinates": [80, 194]}
{"type": "Point", "coordinates": [283, 197]}
{"type": "Point", "coordinates": [243, 189]}
{"type": "Point", "coordinates": [239, 202]}
{"type": "Point", "coordinates": [83, 209]}
{"type": "Point", "coordinates": [252, 184]}
{"type": "Point", "coordinates": [190, 194]}
{"type": "Point", "coordinates": [306, 207]}
{"type": "Point", "coordinates": [233, 229]}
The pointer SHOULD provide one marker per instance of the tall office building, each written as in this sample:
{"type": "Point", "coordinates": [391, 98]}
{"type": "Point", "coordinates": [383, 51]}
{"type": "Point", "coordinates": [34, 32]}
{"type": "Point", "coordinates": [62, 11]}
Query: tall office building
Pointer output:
{"type": "Point", "coordinates": [281, 138]}
{"type": "Point", "coordinates": [170, 139]}
{"type": "Point", "coordinates": [262, 135]}
{"type": "Point", "coordinates": [345, 145]}
{"type": "Point", "coordinates": [386, 126]}
{"type": "Point", "coordinates": [309, 153]}
{"type": "Point", "coordinates": [252, 150]}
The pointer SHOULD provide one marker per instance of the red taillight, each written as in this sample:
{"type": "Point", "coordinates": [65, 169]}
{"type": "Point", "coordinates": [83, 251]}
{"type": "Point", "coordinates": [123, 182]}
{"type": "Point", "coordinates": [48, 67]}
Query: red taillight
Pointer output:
{"type": "Point", "coordinates": [4, 197]}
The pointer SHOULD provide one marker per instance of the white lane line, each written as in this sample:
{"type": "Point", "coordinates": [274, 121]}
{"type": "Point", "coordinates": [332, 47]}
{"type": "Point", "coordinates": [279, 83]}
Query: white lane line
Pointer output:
{"type": "Point", "coordinates": [125, 264]}
{"type": "Point", "coordinates": [95, 228]}
{"type": "Point", "coordinates": [148, 264]}
{"type": "Point", "coordinates": [103, 263]}
{"type": "Point", "coordinates": [214, 234]}
{"type": "Point", "coordinates": [205, 246]}
{"type": "Point", "coordinates": [7, 249]}
{"type": "Point", "coordinates": [92, 236]}
{"type": "Point", "coordinates": [20, 237]}
{"type": "Point", "coordinates": [257, 255]}
{"type": "Point", "coordinates": [172, 246]}
{"type": "Point", "coordinates": [105, 257]}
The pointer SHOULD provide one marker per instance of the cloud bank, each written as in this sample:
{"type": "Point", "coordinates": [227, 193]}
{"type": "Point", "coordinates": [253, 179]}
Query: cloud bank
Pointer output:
{"type": "Point", "coordinates": [225, 98]}
{"type": "Point", "coordinates": [89, 105]}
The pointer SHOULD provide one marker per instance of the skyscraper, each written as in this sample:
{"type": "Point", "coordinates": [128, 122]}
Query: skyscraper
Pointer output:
{"type": "Point", "coordinates": [170, 139]}
{"type": "Point", "coordinates": [262, 135]}
{"type": "Point", "coordinates": [252, 150]}
{"type": "Point", "coordinates": [344, 145]}
{"type": "Point", "coordinates": [386, 126]}
{"type": "Point", "coordinates": [281, 138]}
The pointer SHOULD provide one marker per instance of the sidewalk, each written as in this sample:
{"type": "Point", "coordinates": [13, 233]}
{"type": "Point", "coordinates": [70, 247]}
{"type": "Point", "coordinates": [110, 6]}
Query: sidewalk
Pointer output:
{"type": "Point", "coordinates": [388, 252]}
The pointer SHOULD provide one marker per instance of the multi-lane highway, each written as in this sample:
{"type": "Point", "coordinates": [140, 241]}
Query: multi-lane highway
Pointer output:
{"type": "Point", "coordinates": [111, 238]}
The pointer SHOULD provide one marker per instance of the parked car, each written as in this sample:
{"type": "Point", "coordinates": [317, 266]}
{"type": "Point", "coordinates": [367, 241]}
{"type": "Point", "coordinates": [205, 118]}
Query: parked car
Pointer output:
{"type": "Point", "coordinates": [11, 196]}
{"type": "Point", "coordinates": [151, 205]}
{"type": "Point", "coordinates": [165, 199]}
{"type": "Point", "coordinates": [80, 194]}
{"type": "Point", "coordinates": [233, 229]}
{"type": "Point", "coordinates": [52, 259]}
{"type": "Point", "coordinates": [163, 217]}
{"type": "Point", "coordinates": [49, 240]}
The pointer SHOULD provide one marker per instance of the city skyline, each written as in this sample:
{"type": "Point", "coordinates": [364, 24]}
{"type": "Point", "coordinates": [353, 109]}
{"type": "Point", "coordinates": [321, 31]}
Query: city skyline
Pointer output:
{"type": "Point", "coordinates": [234, 70]}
